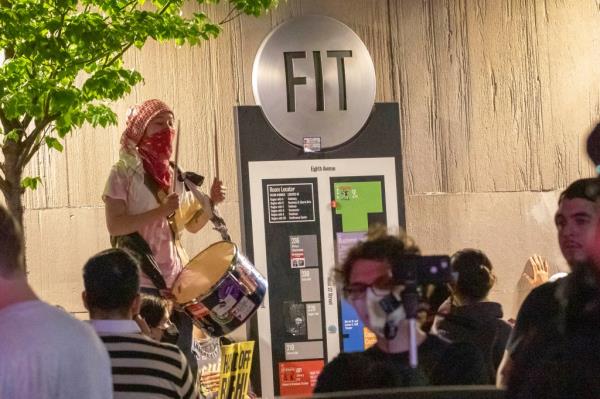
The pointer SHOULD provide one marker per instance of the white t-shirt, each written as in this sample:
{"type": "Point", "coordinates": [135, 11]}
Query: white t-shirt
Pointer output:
{"type": "Point", "coordinates": [47, 353]}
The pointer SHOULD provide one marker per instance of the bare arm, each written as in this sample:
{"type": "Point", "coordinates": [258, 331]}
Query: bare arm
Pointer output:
{"type": "Point", "coordinates": [504, 370]}
{"type": "Point", "coordinates": [119, 222]}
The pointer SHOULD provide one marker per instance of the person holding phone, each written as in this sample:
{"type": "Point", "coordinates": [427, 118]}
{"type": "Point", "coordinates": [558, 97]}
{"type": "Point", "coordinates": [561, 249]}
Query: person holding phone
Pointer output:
{"type": "Point", "coordinates": [366, 279]}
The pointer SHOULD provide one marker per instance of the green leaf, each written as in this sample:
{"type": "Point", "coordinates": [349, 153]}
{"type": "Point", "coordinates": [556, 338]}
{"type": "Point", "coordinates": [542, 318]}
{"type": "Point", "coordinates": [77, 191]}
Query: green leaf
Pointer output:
{"type": "Point", "coordinates": [51, 142]}
{"type": "Point", "coordinates": [13, 135]}
{"type": "Point", "coordinates": [31, 182]}
{"type": "Point", "coordinates": [65, 57]}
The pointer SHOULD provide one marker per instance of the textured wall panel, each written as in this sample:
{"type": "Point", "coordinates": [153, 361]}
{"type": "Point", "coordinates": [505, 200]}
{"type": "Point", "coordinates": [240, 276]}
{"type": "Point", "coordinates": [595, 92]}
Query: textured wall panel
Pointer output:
{"type": "Point", "coordinates": [508, 227]}
{"type": "Point", "coordinates": [495, 96]}
{"type": "Point", "coordinates": [59, 242]}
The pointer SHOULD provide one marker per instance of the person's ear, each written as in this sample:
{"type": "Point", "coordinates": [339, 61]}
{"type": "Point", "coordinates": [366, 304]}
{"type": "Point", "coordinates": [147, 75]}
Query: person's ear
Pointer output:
{"type": "Point", "coordinates": [136, 305]}
{"type": "Point", "coordinates": [84, 299]}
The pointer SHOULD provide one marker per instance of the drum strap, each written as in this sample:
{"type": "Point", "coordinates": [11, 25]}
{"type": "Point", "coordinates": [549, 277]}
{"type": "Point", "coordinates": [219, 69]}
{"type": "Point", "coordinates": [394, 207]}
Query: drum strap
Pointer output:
{"type": "Point", "coordinates": [136, 243]}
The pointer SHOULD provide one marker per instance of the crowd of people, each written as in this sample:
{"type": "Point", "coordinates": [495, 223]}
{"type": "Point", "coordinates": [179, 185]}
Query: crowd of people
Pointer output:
{"type": "Point", "coordinates": [550, 352]}
{"type": "Point", "coordinates": [137, 344]}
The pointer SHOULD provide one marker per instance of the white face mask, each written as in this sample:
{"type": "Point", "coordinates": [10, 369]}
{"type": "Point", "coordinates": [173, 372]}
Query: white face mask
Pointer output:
{"type": "Point", "coordinates": [378, 318]}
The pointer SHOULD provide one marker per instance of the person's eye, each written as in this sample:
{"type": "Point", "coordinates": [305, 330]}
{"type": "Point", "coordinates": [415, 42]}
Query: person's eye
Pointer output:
{"type": "Point", "coordinates": [581, 221]}
{"type": "Point", "coordinates": [355, 289]}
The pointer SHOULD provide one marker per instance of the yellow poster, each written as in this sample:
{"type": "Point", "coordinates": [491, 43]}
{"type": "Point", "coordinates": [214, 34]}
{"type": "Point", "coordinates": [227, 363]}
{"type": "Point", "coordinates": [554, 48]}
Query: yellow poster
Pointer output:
{"type": "Point", "coordinates": [236, 360]}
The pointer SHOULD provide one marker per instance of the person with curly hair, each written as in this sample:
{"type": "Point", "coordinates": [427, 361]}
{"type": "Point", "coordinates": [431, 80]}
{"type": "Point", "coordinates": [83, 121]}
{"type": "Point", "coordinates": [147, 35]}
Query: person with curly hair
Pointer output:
{"type": "Point", "coordinates": [366, 278]}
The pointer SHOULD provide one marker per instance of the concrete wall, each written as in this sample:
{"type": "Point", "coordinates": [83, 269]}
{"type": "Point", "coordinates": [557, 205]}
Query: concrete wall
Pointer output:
{"type": "Point", "coordinates": [496, 98]}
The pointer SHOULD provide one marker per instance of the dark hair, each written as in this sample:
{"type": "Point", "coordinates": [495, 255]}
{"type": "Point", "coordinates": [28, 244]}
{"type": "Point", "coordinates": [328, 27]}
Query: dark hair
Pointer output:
{"type": "Point", "coordinates": [593, 145]}
{"type": "Point", "coordinates": [588, 189]}
{"type": "Point", "coordinates": [379, 245]}
{"type": "Point", "coordinates": [475, 277]}
{"type": "Point", "coordinates": [111, 279]}
{"type": "Point", "coordinates": [152, 310]}
{"type": "Point", "coordinates": [11, 244]}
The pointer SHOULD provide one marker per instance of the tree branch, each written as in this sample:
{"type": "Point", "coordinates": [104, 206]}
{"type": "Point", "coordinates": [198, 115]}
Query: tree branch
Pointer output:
{"type": "Point", "coordinates": [34, 150]}
{"type": "Point", "coordinates": [119, 55]}
{"type": "Point", "coordinates": [3, 183]}
{"type": "Point", "coordinates": [228, 19]}
{"type": "Point", "coordinates": [26, 121]}
{"type": "Point", "coordinates": [29, 147]}
{"type": "Point", "coordinates": [162, 10]}
{"type": "Point", "coordinates": [227, 16]}
{"type": "Point", "coordinates": [27, 155]}
{"type": "Point", "coordinates": [128, 46]}
{"type": "Point", "coordinates": [7, 124]}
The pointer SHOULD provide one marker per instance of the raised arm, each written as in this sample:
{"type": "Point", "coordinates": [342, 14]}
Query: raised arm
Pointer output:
{"type": "Point", "coordinates": [217, 195]}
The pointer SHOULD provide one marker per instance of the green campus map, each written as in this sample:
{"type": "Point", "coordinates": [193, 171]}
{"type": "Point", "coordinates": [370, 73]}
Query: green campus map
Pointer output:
{"type": "Point", "coordinates": [354, 201]}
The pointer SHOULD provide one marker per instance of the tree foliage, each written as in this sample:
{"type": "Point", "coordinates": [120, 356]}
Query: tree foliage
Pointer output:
{"type": "Point", "coordinates": [63, 63]}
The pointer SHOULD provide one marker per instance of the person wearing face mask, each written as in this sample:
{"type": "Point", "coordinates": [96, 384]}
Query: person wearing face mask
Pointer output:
{"type": "Point", "coordinates": [366, 278]}
{"type": "Point", "coordinates": [147, 207]}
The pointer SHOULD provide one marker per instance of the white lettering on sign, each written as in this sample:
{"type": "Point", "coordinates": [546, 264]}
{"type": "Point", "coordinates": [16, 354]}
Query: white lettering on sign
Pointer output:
{"type": "Point", "coordinates": [322, 168]}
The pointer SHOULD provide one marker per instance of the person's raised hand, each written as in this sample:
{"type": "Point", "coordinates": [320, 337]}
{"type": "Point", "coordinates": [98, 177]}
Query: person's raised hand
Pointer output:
{"type": "Point", "coordinates": [539, 267]}
{"type": "Point", "coordinates": [217, 191]}
{"type": "Point", "coordinates": [139, 320]}
{"type": "Point", "coordinates": [170, 204]}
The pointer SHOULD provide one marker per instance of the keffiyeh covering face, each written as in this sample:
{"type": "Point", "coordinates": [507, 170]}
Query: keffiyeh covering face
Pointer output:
{"type": "Point", "coordinates": [155, 151]}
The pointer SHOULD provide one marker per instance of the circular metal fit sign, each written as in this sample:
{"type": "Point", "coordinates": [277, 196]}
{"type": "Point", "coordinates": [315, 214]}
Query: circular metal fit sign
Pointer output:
{"type": "Point", "coordinates": [314, 78]}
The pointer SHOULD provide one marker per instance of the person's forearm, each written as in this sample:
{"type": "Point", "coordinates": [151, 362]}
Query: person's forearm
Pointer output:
{"type": "Point", "coordinates": [126, 224]}
{"type": "Point", "coordinates": [504, 370]}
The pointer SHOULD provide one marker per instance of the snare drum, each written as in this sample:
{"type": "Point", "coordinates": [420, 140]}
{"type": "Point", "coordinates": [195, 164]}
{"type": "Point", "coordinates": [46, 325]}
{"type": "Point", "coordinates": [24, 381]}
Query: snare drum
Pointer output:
{"type": "Point", "coordinates": [219, 289]}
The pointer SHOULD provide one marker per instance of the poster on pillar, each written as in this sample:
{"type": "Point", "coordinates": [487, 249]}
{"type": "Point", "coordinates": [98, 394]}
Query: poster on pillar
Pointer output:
{"type": "Point", "coordinates": [318, 163]}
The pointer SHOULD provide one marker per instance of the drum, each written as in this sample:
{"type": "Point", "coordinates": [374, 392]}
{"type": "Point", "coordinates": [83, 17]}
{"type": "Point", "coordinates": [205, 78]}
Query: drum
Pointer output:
{"type": "Point", "coordinates": [219, 289]}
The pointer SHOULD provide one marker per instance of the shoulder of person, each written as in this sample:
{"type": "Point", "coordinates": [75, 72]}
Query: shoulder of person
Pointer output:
{"type": "Point", "coordinates": [541, 301]}
{"type": "Point", "coordinates": [435, 341]}
{"type": "Point", "coordinates": [336, 374]}
{"type": "Point", "coordinates": [127, 164]}
{"type": "Point", "coordinates": [344, 362]}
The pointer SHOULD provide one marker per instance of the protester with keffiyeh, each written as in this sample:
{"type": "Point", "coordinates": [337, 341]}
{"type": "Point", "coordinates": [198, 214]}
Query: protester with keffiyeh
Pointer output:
{"type": "Point", "coordinates": [147, 207]}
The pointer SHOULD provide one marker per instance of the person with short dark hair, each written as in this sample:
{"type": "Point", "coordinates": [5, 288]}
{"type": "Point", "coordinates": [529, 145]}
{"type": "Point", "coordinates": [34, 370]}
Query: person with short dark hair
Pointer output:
{"type": "Point", "coordinates": [366, 277]}
{"type": "Point", "coordinates": [540, 321]}
{"type": "Point", "coordinates": [155, 312]}
{"type": "Point", "coordinates": [467, 316]}
{"type": "Point", "coordinates": [140, 365]}
{"type": "Point", "coordinates": [44, 351]}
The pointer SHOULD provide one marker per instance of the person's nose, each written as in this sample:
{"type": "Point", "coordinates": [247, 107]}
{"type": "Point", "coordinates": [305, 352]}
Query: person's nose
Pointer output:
{"type": "Point", "coordinates": [569, 230]}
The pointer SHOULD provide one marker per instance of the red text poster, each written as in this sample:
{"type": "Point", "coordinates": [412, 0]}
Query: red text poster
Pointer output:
{"type": "Point", "coordinates": [299, 378]}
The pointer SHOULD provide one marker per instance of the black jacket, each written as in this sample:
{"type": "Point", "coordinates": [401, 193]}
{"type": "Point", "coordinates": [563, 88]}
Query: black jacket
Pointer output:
{"type": "Point", "coordinates": [480, 324]}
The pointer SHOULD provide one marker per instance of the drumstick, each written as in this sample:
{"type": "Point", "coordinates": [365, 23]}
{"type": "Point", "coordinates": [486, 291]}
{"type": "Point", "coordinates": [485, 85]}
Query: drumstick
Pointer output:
{"type": "Point", "coordinates": [175, 168]}
{"type": "Point", "coordinates": [216, 151]}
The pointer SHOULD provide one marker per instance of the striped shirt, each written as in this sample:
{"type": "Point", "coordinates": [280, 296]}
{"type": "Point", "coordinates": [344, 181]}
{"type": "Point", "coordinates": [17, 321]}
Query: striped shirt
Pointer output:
{"type": "Point", "coordinates": [142, 367]}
